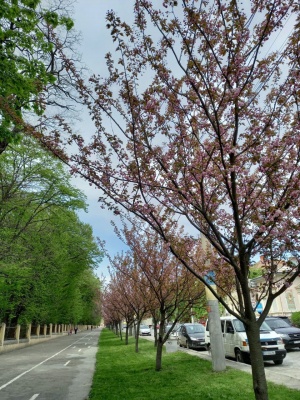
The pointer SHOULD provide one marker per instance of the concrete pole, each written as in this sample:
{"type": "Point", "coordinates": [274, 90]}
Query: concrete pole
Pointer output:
{"type": "Point", "coordinates": [215, 331]}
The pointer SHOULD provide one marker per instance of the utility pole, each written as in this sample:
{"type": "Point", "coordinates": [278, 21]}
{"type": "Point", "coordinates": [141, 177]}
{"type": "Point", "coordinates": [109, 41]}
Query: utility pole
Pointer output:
{"type": "Point", "coordinates": [214, 323]}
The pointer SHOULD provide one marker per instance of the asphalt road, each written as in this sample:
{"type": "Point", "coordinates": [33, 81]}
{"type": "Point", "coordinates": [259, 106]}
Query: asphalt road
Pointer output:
{"type": "Point", "coordinates": [58, 369]}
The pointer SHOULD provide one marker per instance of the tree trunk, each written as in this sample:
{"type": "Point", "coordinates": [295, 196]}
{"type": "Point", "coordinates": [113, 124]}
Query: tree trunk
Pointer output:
{"type": "Point", "coordinates": [159, 349]}
{"type": "Point", "coordinates": [160, 342]}
{"type": "Point", "coordinates": [137, 329]}
{"type": "Point", "coordinates": [126, 335]}
{"type": "Point", "coordinates": [155, 322]}
{"type": "Point", "coordinates": [257, 363]}
{"type": "Point", "coordinates": [120, 330]}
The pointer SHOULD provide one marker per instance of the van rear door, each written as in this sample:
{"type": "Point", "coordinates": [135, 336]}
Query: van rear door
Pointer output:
{"type": "Point", "coordinates": [229, 338]}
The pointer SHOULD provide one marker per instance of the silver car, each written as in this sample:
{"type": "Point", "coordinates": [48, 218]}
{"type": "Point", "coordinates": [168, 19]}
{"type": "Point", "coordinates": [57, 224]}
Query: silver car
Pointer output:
{"type": "Point", "coordinates": [145, 330]}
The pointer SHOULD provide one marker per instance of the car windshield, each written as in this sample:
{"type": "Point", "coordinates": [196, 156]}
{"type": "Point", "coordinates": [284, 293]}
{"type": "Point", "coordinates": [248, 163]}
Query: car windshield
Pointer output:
{"type": "Point", "coordinates": [195, 328]}
{"type": "Point", "coordinates": [168, 328]}
{"type": "Point", "coordinates": [277, 323]}
{"type": "Point", "coordinates": [144, 327]}
{"type": "Point", "coordinates": [239, 326]}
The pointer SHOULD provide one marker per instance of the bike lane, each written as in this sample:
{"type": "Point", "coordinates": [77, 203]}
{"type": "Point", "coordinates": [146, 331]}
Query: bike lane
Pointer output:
{"type": "Point", "coordinates": [60, 369]}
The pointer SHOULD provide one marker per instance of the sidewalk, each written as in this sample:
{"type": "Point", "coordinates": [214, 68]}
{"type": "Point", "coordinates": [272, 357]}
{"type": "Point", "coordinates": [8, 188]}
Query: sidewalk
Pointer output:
{"type": "Point", "coordinates": [281, 377]}
{"type": "Point", "coordinates": [273, 376]}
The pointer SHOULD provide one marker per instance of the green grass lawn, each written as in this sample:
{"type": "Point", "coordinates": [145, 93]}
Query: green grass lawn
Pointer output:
{"type": "Point", "coordinates": [122, 374]}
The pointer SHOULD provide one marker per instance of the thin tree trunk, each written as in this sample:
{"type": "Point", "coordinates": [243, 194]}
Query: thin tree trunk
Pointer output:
{"type": "Point", "coordinates": [160, 342]}
{"type": "Point", "coordinates": [155, 334]}
{"type": "Point", "coordinates": [257, 363]}
{"type": "Point", "coordinates": [120, 330]}
{"type": "Point", "coordinates": [159, 349]}
{"type": "Point", "coordinates": [137, 329]}
{"type": "Point", "coordinates": [126, 335]}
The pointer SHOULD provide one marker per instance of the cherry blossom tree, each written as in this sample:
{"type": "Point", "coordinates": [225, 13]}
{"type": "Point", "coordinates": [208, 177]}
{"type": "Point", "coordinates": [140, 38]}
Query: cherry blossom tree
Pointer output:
{"type": "Point", "coordinates": [171, 289]}
{"type": "Point", "coordinates": [129, 284]}
{"type": "Point", "coordinates": [112, 314]}
{"type": "Point", "coordinates": [203, 111]}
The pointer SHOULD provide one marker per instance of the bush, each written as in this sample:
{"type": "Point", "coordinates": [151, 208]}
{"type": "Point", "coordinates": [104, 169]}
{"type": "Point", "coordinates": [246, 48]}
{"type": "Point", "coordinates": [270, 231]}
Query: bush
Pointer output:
{"type": "Point", "coordinates": [295, 318]}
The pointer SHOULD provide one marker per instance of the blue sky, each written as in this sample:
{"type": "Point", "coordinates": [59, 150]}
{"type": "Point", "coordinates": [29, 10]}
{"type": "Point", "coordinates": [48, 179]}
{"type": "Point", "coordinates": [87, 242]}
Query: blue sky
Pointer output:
{"type": "Point", "coordinates": [89, 19]}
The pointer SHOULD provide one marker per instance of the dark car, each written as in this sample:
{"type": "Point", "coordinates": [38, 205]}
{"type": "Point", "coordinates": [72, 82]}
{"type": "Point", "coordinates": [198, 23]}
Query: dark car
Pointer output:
{"type": "Point", "coordinates": [284, 317]}
{"type": "Point", "coordinates": [290, 335]}
{"type": "Point", "coordinates": [191, 336]}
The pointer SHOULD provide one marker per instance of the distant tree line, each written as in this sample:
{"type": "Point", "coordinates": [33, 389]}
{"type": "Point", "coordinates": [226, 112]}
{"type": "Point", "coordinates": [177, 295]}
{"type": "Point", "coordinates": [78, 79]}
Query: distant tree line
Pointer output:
{"type": "Point", "coordinates": [48, 255]}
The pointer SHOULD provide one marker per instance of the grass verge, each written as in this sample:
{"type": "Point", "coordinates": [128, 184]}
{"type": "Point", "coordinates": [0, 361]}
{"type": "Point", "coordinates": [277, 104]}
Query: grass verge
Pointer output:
{"type": "Point", "coordinates": [122, 374]}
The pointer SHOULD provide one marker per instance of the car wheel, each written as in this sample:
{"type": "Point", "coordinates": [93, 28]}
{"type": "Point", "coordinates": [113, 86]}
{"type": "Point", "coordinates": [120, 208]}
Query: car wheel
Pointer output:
{"type": "Point", "coordinates": [179, 344]}
{"type": "Point", "coordinates": [278, 362]}
{"type": "Point", "coordinates": [208, 347]}
{"type": "Point", "coordinates": [239, 356]}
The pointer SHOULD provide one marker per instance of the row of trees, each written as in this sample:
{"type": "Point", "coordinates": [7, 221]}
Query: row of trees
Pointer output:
{"type": "Point", "coordinates": [48, 255]}
{"type": "Point", "coordinates": [148, 281]}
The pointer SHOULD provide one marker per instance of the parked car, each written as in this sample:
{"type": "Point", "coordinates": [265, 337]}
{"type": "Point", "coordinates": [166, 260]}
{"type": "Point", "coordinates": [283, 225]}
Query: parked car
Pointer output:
{"type": "Point", "coordinates": [236, 341]}
{"type": "Point", "coordinates": [191, 336]}
{"type": "Point", "coordinates": [284, 317]}
{"type": "Point", "coordinates": [145, 330]}
{"type": "Point", "coordinates": [174, 333]}
{"type": "Point", "coordinates": [289, 334]}
{"type": "Point", "coordinates": [174, 329]}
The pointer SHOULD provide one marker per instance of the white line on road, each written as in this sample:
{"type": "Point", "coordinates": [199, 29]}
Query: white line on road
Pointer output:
{"type": "Point", "coordinates": [25, 372]}
{"type": "Point", "coordinates": [34, 396]}
{"type": "Point", "coordinates": [67, 363]}
{"type": "Point", "coordinates": [79, 350]}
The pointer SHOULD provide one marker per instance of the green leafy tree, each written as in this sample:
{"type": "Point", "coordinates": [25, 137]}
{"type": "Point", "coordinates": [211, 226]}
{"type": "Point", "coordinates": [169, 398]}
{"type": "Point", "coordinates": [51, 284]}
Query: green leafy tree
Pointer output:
{"type": "Point", "coordinates": [46, 250]}
{"type": "Point", "coordinates": [31, 72]}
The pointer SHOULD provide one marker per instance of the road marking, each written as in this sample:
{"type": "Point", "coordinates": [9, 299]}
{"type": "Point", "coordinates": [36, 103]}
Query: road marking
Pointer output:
{"type": "Point", "coordinates": [34, 396]}
{"type": "Point", "coordinates": [79, 350]}
{"type": "Point", "coordinates": [67, 363]}
{"type": "Point", "coordinates": [89, 347]}
{"type": "Point", "coordinates": [31, 369]}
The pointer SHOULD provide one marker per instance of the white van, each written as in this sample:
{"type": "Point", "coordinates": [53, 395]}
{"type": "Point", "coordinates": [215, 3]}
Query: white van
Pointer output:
{"type": "Point", "coordinates": [236, 342]}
